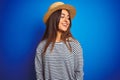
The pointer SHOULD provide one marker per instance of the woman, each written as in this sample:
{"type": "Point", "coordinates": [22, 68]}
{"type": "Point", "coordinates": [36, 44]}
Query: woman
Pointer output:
{"type": "Point", "coordinates": [59, 55]}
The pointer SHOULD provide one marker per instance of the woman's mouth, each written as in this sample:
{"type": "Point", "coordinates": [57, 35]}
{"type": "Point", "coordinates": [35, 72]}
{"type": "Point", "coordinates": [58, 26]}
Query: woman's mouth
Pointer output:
{"type": "Point", "coordinates": [65, 24]}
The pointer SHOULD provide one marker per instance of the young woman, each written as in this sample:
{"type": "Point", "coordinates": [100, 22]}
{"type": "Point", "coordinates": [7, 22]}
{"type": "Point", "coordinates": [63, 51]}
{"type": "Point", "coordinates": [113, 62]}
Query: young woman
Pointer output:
{"type": "Point", "coordinates": [59, 55]}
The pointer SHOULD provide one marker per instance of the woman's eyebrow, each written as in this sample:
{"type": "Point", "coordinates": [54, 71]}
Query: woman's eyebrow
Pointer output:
{"type": "Point", "coordinates": [64, 14]}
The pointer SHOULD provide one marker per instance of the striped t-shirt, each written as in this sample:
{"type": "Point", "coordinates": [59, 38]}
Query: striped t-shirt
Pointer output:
{"type": "Point", "coordinates": [60, 64]}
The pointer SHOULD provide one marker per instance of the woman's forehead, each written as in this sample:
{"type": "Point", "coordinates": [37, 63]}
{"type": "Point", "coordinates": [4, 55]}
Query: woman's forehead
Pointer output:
{"type": "Point", "coordinates": [65, 12]}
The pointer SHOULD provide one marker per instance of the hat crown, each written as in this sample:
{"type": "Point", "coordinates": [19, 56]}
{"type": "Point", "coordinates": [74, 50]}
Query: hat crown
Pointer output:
{"type": "Point", "coordinates": [56, 4]}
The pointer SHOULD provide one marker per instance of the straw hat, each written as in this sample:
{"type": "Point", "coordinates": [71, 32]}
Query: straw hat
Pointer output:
{"type": "Point", "coordinates": [59, 5]}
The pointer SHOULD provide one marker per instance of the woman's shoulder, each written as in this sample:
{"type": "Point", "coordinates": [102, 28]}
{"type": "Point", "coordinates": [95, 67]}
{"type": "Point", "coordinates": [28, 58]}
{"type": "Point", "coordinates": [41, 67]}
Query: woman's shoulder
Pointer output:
{"type": "Point", "coordinates": [76, 46]}
{"type": "Point", "coordinates": [74, 42]}
{"type": "Point", "coordinates": [41, 44]}
{"type": "Point", "coordinates": [71, 39]}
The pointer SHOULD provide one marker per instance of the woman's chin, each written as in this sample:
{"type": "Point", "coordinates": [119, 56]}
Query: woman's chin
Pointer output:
{"type": "Point", "coordinates": [64, 30]}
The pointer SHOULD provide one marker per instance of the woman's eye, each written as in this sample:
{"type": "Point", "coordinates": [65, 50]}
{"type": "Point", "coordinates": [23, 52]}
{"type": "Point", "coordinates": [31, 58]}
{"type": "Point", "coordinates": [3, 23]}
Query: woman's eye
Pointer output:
{"type": "Point", "coordinates": [62, 16]}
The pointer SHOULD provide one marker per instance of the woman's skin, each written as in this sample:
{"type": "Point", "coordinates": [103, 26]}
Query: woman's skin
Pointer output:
{"type": "Point", "coordinates": [63, 24]}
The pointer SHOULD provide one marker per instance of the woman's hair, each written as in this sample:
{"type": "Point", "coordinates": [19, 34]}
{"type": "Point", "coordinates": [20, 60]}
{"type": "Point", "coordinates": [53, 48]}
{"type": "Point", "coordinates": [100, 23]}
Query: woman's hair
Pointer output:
{"type": "Point", "coordinates": [51, 31]}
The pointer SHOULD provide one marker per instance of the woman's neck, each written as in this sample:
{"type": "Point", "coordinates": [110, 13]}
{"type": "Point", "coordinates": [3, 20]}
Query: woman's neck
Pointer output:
{"type": "Point", "coordinates": [58, 38]}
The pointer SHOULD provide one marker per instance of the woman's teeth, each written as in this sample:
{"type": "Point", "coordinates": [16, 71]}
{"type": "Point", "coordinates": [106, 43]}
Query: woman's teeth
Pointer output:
{"type": "Point", "coordinates": [64, 24]}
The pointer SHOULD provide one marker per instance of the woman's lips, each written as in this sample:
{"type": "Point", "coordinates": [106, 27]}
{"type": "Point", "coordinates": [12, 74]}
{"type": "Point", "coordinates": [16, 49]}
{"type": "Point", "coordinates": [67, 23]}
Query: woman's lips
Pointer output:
{"type": "Point", "coordinates": [65, 24]}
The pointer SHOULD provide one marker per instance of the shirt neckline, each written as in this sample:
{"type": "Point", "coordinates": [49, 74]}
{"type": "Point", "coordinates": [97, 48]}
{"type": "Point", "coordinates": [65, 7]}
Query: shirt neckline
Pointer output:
{"type": "Point", "coordinates": [61, 42]}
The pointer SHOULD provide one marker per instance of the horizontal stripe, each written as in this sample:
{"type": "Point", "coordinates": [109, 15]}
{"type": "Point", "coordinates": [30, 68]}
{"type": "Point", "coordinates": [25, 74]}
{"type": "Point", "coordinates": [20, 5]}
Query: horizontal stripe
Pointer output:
{"type": "Point", "coordinates": [61, 64]}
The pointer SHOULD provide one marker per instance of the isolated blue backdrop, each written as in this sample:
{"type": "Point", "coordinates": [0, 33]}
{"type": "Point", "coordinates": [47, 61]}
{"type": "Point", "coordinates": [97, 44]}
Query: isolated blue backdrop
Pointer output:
{"type": "Point", "coordinates": [96, 26]}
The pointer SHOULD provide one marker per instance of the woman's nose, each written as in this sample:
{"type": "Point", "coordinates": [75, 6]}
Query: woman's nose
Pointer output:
{"type": "Point", "coordinates": [65, 19]}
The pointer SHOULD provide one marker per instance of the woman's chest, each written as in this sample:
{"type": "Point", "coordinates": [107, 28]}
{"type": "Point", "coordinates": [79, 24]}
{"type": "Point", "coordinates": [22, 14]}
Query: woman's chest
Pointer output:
{"type": "Point", "coordinates": [59, 53]}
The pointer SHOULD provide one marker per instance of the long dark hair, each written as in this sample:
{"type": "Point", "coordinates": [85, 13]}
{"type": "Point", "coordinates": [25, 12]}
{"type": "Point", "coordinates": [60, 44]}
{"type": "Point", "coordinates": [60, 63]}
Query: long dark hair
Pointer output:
{"type": "Point", "coordinates": [51, 31]}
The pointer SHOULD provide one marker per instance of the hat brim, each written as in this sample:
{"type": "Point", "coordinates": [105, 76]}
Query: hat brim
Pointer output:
{"type": "Point", "coordinates": [64, 6]}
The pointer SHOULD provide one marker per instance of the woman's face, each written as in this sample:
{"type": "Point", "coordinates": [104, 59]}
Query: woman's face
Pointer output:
{"type": "Point", "coordinates": [64, 20]}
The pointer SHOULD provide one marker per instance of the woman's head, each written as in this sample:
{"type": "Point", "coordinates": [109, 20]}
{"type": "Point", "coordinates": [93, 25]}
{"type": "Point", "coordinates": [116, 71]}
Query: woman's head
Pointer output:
{"type": "Point", "coordinates": [58, 21]}
{"type": "Point", "coordinates": [58, 18]}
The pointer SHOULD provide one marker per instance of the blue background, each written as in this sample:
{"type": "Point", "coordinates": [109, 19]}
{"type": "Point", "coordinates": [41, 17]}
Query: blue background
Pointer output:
{"type": "Point", "coordinates": [96, 26]}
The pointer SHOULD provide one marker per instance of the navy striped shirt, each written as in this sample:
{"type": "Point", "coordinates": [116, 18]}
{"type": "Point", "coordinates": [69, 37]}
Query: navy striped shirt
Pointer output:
{"type": "Point", "coordinates": [60, 64]}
